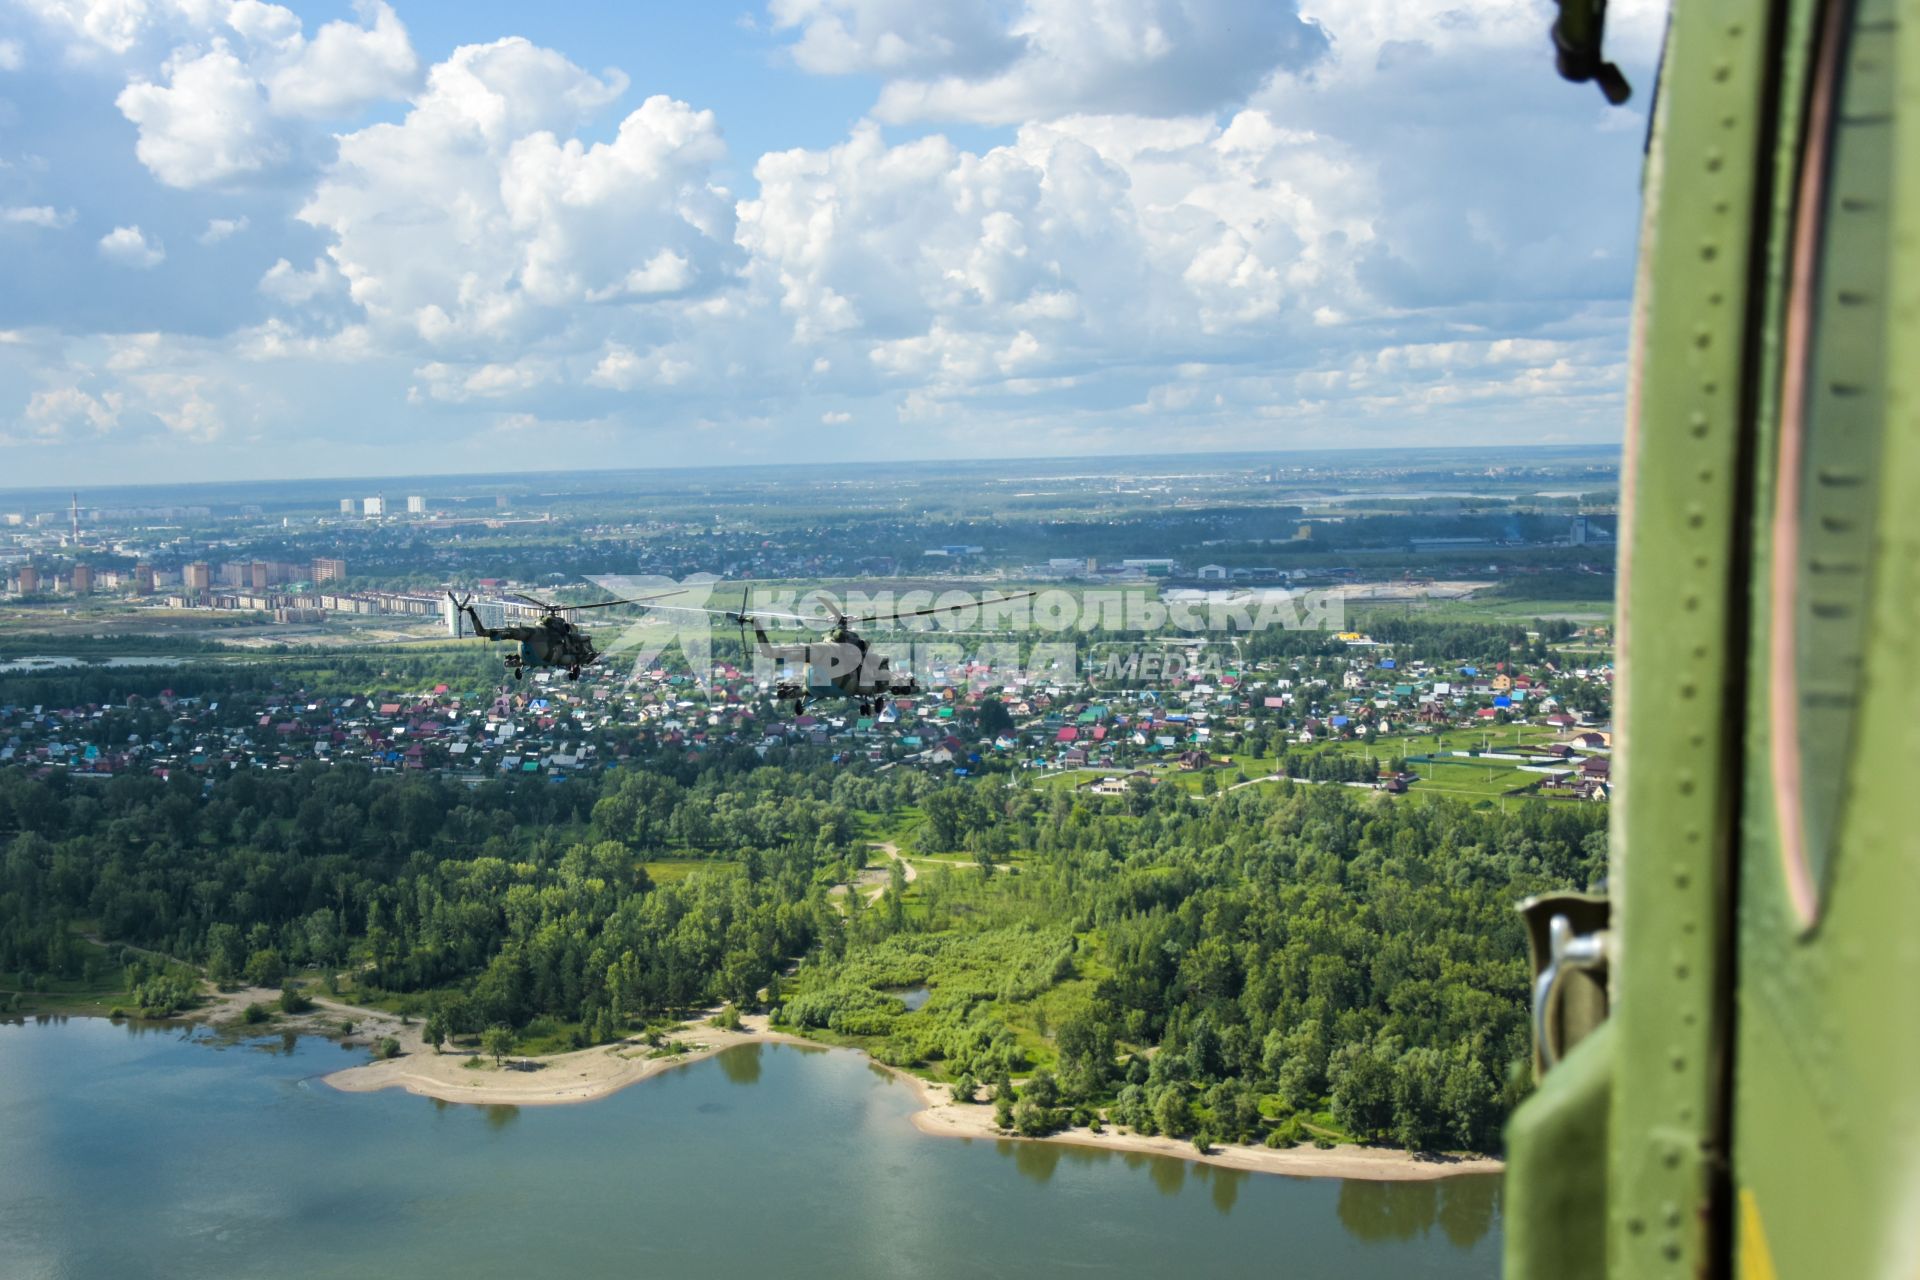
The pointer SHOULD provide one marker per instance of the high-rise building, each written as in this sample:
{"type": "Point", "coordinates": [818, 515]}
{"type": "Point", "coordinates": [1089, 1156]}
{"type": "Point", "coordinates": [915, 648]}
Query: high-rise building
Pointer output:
{"type": "Point", "coordinates": [29, 580]}
{"type": "Point", "coordinates": [82, 579]}
{"type": "Point", "coordinates": [143, 579]}
{"type": "Point", "coordinates": [257, 574]}
{"type": "Point", "coordinates": [416, 505]}
{"type": "Point", "coordinates": [326, 569]}
{"type": "Point", "coordinates": [492, 614]}
{"type": "Point", "coordinates": [500, 501]}
{"type": "Point", "coordinates": [375, 507]}
{"type": "Point", "coordinates": [197, 577]}
{"type": "Point", "coordinates": [346, 506]}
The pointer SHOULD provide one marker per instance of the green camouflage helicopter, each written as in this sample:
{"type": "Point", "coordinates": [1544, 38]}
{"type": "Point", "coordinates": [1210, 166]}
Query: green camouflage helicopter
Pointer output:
{"type": "Point", "coordinates": [844, 665]}
{"type": "Point", "coordinates": [1727, 1039]}
{"type": "Point", "coordinates": [554, 641]}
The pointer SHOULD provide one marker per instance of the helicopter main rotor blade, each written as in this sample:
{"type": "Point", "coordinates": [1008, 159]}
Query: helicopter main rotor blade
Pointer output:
{"type": "Point", "coordinates": [734, 615]}
{"type": "Point", "coordinates": [515, 595]}
{"type": "Point", "coordinates": [947, 608]}
{"type": "Point", "coordinates": [608, 604]}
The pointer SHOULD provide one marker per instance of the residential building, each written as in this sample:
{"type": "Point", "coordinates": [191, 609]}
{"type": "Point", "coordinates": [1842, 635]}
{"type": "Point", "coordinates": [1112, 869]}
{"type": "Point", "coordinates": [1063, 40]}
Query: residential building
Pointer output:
{"type": "Point", "coordinates": [328, 569]}
{"type": "Point", "coordinates": [375, 507]}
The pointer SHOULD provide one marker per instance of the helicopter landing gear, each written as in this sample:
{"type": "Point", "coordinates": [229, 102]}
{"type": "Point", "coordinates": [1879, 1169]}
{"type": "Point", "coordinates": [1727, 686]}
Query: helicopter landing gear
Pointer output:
{"type": "Point", "coordinates": [573, 673]}
{"type": "Point", "coordinates": [516, 673]}
{"type": "Point", "coordinates": [866, 708]}
{"type": "Point", "coordinates": [799, 706]}
{"type": "Point", "coordinates": [879, 704]}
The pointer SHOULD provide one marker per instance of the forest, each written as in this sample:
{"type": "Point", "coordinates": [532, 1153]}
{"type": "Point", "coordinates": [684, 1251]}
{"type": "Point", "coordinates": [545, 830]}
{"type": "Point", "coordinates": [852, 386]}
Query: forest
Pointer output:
{"type": "Point", "coordinates": [1278, 963]}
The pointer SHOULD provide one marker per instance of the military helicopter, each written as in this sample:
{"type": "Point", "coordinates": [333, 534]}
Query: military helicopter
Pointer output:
{"type": "Point", "coordinates": [553, 641]}
{"type": "Point", "coordinates": [841, 666]}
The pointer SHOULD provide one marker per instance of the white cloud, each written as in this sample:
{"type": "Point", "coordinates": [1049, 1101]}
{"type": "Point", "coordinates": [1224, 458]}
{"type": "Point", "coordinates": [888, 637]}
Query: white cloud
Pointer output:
{"type": "Point", "coordinates": [129, 247]}
{"type": "Point", "coordinates": [284, 282]}
{"type": "Point", "coordinates": [841, 37]}
{"type": "Point", "coordinates": [622, 369]}
{"type": "Point", "coordinates": [183, 404]}
{"type": "Point", "coordinates": [1094, 239]}
{"type": "Point", "coordinates": [475, 220]}
{"type": "Point", "coordinates": [39, 215]}
{"type": "Point", "coordinates": [113, 25]}
{"type": "Point", "coordinates": [458, 384]}
{"type": "Point", "coordinates": [207, 124]}
{"type": "Point", "coordinates": [993, 64]}
{"type": "Point", "coordinates": [219, 229]}
{"type": "Point", "coordinates": [1175, 242]}
{"type": "Point", "coordinates": [64, 415]}
{"type": "Point", "coordinates": [12, 56]}
{"type": "Point", "coordinates": [344, 68]}
{"type": "Point", "coordinates": [243, 85]}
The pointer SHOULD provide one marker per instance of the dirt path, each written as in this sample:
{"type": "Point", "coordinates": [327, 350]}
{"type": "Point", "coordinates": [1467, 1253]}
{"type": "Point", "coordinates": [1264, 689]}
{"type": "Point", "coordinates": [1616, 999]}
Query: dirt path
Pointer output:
{"type": "Point", "coordinates": [873, 881]}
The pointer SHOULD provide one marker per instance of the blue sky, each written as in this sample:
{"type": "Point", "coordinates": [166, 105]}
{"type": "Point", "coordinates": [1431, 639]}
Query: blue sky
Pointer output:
{"type": "Point", "coordinates": [239, 239]}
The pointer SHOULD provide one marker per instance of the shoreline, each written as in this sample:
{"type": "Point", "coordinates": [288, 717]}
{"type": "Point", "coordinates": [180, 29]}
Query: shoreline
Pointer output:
{"type": "Point", "coordinates": [941, 1117]}
{"type": "Point", "coordinates": [587, 1075]}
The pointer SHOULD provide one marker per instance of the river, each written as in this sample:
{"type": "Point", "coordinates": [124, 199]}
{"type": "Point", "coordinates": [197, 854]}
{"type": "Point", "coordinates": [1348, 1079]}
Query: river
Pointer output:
{"type": "Point", "coordinates": [129, 1152]}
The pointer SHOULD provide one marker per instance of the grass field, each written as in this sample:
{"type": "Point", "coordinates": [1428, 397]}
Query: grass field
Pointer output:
{"type": "Point", "coordinates": [672, 870]}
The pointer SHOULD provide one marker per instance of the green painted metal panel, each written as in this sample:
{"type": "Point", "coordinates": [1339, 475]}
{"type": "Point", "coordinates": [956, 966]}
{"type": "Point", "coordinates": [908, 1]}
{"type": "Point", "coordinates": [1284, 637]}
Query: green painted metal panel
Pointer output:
{"type": "Point", "coordinates": [1554, 1219]}
{"type": "Point", "coordinates": [1826, 1112]}
{"type": "Point", "coordinates": [1682, 612]}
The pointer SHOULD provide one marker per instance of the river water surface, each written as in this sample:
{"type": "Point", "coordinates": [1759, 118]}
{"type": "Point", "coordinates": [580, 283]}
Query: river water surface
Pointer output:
{"type": "Point", "coordinates": [129, 1153]}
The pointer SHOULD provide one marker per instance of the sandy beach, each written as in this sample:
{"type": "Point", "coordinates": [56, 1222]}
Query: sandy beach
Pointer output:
{"type": "Point", "coordinates": [581, 1076]}
{"type": "Point", "coordinates": [588, 1074]}
{"type": "Point", "coordinates": [942, 1117]}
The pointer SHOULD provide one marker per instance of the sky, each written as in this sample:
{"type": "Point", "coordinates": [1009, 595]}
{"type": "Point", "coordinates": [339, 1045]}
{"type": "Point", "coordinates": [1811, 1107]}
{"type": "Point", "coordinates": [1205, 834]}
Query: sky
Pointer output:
{"type": "Point", "coordinates": [242, 240]}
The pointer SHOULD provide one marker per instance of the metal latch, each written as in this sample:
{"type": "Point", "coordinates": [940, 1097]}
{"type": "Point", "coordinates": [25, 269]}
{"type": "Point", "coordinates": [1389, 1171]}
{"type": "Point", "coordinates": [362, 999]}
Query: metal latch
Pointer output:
{"type": "Point", "coordinates": [1567, 935]}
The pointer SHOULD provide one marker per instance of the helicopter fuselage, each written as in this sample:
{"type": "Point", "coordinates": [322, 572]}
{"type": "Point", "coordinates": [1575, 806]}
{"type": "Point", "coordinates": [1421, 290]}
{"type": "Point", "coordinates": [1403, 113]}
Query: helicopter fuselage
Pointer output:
{"type": "Point", "coordinates": [553, 642]}
{"type": "Point", "coordinates": [844, 665]}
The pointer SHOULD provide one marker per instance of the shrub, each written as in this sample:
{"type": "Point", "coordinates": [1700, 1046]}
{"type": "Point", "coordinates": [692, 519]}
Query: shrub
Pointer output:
{"type": "Point", "coordinates": [1033, 1120]}
{"type": "Point", "coordinates": [293, 1001]}
{"type": "Point", "coordinates": [254, 1014]}
{"type": "Point", "coordinates": [388, 1047]}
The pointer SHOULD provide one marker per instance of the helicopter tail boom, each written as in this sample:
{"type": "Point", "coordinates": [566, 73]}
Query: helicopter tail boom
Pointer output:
{"type": "Point", "coordinates": [465, 605]}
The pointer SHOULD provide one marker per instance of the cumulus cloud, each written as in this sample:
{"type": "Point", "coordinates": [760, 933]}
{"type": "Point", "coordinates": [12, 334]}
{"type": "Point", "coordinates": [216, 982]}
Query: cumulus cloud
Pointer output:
{"type": "Point", "coordinates": [1341, 215]}
{"type": "Point", "coordinates": [286, 283]}
{"type": "Point", "coordinates": [36, 215]}
{"type": "Point", "coordinates": [12, 56]}
{"type": "Point", "coordinates": [840, 37]}
{"type": "Point", "coordinates": [244, 85]}
{"type": "Point", "coordinates": [219, 229]}
{"type": "Point", "coordinates": [479, 218]}
{"type": "Point", "coordinates": [1087, 241]}
{"type": "Point", "coordinates": [113, 25]}
{"type": "Point", "coordinates": [129, 247]}
{"type": "Point", "coordinates": [62, 415]}
{"type": "Point", "coordinates": [206, 123]}
{"type": "Point", "coordinates": [343, 68]}
{"type": "Point", "coordinates": [989, 64]}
